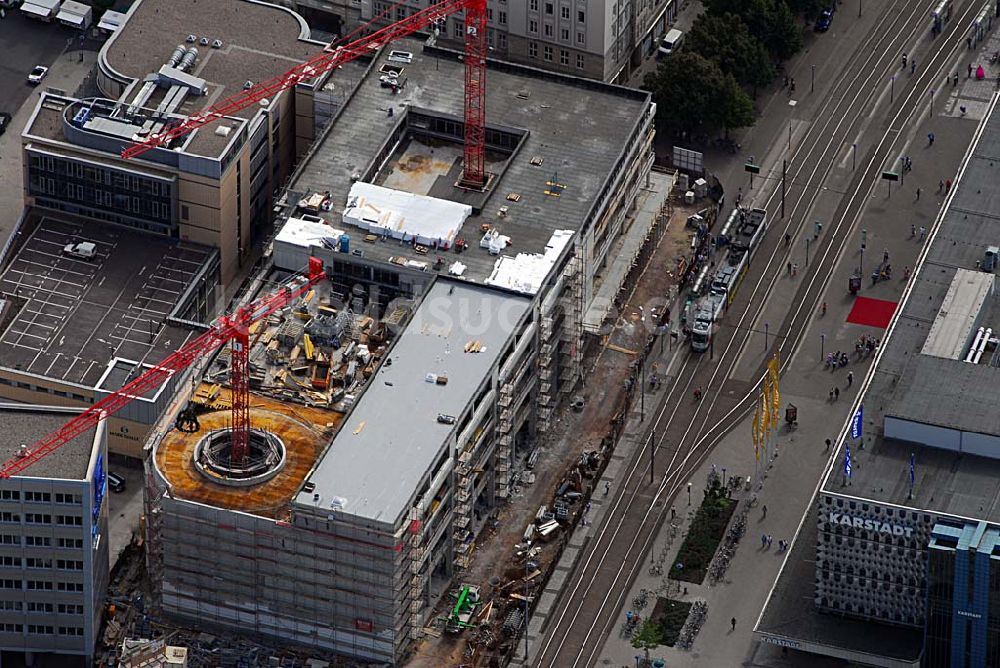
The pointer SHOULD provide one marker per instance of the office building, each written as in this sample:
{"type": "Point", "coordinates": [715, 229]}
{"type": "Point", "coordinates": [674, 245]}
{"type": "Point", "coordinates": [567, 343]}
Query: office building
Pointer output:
{"type": "Point", "coordinates": [899, 553]}
{"type": "Point", "coordinates": [53, 541]}
{"type": "Point", "coordinates": [587, 38]}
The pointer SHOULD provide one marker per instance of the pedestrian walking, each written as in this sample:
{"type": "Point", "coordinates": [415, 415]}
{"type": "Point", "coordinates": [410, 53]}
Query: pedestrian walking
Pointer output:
{"type": "Point", "coordinates": [913, 231]}
{"type": "Point", "coordinates": [885, 255]}
{"type": "Point", "coordinates": [923, 232]}
{"type": "Point", "coordinates": [733, 622]}
{"type": "Point", "coordinates": [764, 508]}
{"type": "Point", "coordinates": [918, 194]}
{"type": "Point", "coordinates": [822, 309]}
{"type": "Point", "coordinates": [828, 444]}
{"type": "Point", "coordinates": [763, 541]}
{"type": "Point", "coordinates": [789, 268]}
{"type": "Point", "coordinates": [788, 239]}
{"type": "Point", "coordinates": [930, 139]}
{"type": "Point", "coordinates": [947, 186]}
{"type": "Point", "coordinates": [769, 538]}
{"type": "Point", "coordinates": [969, 75]}
{"type": "Point", "coordinates": [850, 378]}
{"type": "Point", "coordinates": [836, 393]}
{"type": "Point", "coordinates": [968, 44]}
{"type": "Point", "coordinates": [940, 189]}
{"type": "Point", "coordinates": [913, 66]}
{"type": "Point", "coordinates": [904, 60]}
{"type": "Point", "coordinates": [831, 393]}
{"type": "Point", "coordinates": [607, 487]}
{"type": "Point", "coordinates": [795, 269]}
{"type": "Point", "coordinates": [954, 80]}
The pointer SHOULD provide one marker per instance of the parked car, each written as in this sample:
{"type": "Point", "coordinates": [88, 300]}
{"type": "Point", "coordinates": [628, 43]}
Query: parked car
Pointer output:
{"type": "Point", "coordinates": [37, 74]}
{"type": "Point", "coordinates": [5, 119]}
{"type": "Point", "coordinates": [824, 20]}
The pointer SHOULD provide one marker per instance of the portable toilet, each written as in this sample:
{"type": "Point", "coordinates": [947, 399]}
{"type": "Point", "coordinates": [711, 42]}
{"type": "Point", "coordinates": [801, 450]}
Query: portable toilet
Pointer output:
{"type": "Point", "coordinates": [345, 243]}
{"type": "Point", "coordinates": [990, 261]}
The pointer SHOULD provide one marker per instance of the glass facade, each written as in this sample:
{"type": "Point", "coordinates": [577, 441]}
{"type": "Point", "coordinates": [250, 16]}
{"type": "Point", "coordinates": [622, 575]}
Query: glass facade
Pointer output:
{"type": "Point", "coordinates": [963, 588]}
{"type": "Point", "coordinates": [103, 193]}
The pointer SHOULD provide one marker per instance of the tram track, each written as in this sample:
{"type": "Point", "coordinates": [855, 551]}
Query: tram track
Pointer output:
{"type": "Point", "coordinates": [565, 643]}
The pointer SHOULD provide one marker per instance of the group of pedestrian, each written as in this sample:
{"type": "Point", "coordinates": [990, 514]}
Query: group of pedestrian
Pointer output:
{"type": "Point", "coordinates": [864, 345]}
{"type": "Point", "coordinates": [835, 393]}
{"type": "Point", "coordinates": [767, 539]}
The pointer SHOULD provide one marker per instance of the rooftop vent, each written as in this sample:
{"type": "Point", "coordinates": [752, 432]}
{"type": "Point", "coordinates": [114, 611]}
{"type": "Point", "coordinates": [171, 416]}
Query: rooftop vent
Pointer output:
{"type": "Point", "coordinates": [191, 39]}
{"type": "Point", "coordinates": [204, 41]}
{"type": "Point", "coordinates": [216, 43]}
{"type": "Point", "coordinates": [223, 130]}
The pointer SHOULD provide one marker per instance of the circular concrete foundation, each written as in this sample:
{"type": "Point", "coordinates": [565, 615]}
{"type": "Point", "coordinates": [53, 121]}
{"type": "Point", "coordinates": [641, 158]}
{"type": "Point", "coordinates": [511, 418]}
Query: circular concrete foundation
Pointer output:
{"type": "Point", "coordinates": [213, 458]}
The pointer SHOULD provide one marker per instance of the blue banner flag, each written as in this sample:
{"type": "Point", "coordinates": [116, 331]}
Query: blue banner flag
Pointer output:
{"type": "Point", "coordinates": [847, 462]}
{"type": "Point", "coordinates": [857, 421]}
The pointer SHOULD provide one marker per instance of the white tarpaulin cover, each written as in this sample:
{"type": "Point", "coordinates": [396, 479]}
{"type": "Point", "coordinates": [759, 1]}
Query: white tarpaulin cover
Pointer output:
{"type": "Point", "coordinates": [111, 21]}
{"type": "Point", "coordinates": [393, 213]}
{"type": "Point", "coordinates": [525, 272]}
{"type": "Point", "coordinates": [74, 13]}
{"type": "Point", "coordinates": [41, 8]}
{"type": "Point", "coordinates": [297, 236]}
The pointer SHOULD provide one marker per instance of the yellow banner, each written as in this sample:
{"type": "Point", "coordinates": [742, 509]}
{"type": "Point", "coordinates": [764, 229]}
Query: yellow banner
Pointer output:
{"type": "Point", "coordinates": [755, 431]}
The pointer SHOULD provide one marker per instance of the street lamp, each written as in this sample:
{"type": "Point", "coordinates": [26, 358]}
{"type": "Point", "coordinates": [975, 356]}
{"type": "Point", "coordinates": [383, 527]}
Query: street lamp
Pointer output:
{"type": "Point", "coordinates": [892, 87]}
{"type": "Point", "coordinates": [689, 494]}
{"type": "Point", "coordinates": [812, 79]}
{"type": "Point", "coordinates": [854, 157]}
{"type": "Point", "coordinates": [723, 476]}
{"type": "Point", "coordinates": [822, 347]}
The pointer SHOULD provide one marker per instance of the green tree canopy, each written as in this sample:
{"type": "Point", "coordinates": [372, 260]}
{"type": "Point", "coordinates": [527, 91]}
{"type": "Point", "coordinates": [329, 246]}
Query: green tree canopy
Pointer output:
{"type": "Point", "coordinates": [770, 21]}
{"type": "Point", "coordinates": [727, 41]}
{"type": "Point", "coordinates": [693, 95]}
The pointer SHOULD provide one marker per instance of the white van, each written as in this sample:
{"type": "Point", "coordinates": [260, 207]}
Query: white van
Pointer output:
{"type": "Point", "coordinates": [671, 42]}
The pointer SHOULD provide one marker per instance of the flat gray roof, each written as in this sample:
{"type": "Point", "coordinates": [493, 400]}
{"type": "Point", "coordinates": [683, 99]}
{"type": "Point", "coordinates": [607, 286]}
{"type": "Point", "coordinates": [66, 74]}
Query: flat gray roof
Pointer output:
{"type": "Point", "coordinates": [259, 41]}
{"type": "Point", "coordinates": [933, 390]}
{"type": "Point", "coordinates": [791, 614]}
{"type": "Point", "coordinates": [28, 424]}
{"type": "Point", "coordinates": [71, 316]}
{"type": "Point", "coordinates": [391, 439]}
{"type": "Point", "coordinates": [579, 128]}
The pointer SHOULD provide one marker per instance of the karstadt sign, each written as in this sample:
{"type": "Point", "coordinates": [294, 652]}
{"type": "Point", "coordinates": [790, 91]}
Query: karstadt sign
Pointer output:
{"type": "Point", "coordinates": [870, 525]}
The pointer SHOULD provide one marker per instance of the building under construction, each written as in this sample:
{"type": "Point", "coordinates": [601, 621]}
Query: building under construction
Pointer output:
{"type": "Point", "coordinates": [393, 407]}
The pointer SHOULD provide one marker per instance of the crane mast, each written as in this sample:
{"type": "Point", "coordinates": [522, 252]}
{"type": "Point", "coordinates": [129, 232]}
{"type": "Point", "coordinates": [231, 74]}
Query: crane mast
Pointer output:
{"type": "Point", "coordinates": [473, 174]}
{"type": "Point", "coordinates": [233, 327]}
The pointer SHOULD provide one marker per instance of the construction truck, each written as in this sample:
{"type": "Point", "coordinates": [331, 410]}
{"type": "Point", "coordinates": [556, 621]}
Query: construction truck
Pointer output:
{"type": "Point", "coordinates": [464, 611]}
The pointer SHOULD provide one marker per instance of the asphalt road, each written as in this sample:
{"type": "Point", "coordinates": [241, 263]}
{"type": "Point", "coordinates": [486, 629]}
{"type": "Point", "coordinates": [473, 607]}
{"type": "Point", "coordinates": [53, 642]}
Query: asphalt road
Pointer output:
{"type": "Point", "coordinates": [857, 102]}
{"type": "Point", "coordinates": [23, 44]}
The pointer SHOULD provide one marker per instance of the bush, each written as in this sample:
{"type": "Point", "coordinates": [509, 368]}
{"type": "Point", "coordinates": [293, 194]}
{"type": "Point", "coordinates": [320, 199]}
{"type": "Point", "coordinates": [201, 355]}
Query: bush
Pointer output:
{"type": "Point", "coordinates": [707, 529]}
{"type": "Point", "coordinates": [663, 627]}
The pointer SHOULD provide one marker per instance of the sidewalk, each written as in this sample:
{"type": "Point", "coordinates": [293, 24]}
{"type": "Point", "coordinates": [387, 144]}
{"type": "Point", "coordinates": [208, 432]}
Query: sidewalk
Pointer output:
{"type": "Point", "coordinates": [791, 480]}
{"type": "Point", "coordinates": [66, 74]}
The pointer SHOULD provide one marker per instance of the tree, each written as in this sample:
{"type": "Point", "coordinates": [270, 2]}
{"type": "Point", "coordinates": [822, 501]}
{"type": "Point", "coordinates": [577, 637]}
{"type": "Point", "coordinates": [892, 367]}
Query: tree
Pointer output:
{"type": "Point", "coordinates": [694, 96]}
{"type": "Point", "coordinates": [808, 8]}
{"type": "Point", "coordinates": [770, 21]}
{"type": "Point", "coordinates": [784, 39]}
{"type": "Point", "coordinates": [727, 41]}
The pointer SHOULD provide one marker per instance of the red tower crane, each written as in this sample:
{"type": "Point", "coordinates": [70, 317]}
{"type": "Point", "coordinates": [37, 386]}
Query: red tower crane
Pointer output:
{"type": "Point", "coordinates": [233, 327]}
{"type": "Point", "coordinates": [474, 174]}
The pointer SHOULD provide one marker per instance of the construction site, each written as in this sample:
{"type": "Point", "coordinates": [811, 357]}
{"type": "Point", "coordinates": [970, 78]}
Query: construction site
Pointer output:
{"type": "Point", "coordinates": [378, 451]}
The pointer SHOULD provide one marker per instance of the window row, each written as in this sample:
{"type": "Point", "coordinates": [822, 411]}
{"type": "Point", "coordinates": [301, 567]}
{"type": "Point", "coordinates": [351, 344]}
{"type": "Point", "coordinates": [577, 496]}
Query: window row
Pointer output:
{"type": "Point", "coordinates": [547, 55]}
{"type": "Point", "coordinates": [40, 388]}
